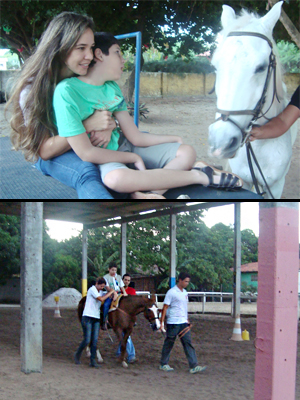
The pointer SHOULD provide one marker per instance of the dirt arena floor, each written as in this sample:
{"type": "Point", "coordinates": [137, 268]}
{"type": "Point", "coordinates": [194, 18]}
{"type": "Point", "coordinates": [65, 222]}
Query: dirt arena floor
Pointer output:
{"type": "Point", "coordinates": [190, 117]}
{"type": "Point", "coordinates": [229, 374]}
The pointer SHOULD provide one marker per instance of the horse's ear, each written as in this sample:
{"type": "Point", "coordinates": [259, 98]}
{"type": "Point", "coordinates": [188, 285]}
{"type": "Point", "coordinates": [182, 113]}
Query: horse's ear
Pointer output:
{"type": "Point", "coordinates": [270, 19]}
{"type": "Point", "coordinates": [227, 17]}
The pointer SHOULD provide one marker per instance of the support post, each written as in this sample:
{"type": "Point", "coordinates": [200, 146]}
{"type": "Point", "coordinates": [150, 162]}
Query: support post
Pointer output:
{"type": "Point", "coordinates": [277, 305]}
{"type": "Point", "coordinates": [123, 247]}
{"type": "Point", "coordinates": [237, 261]}
{"type": "Point", "coordinates": [31, 287]}
{"type": "Point", "coordinates": [84, 262]}
{"type": "Point", "coordinates": [173, 250]}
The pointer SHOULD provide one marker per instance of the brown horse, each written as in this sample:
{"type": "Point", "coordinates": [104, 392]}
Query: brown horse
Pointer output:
{"type": "Point", "coordinates": [123, 318]}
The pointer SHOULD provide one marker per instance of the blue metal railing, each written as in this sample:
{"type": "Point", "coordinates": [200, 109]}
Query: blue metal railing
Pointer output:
{"type": "Point", "coordinates": [138, 56]}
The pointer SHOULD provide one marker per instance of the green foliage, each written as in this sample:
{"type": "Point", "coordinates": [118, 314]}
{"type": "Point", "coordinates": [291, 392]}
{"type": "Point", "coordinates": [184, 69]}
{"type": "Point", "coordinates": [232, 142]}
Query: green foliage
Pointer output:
{"type": "Point", "coordinates": [248, 288]}
{"type": "Point", "coordinates": [142, 109]}
{"type": "Point", "coordinates": [162, 23]}
{"type": "Point", "coordinates": [289, 56]}
{"type": "Point", "coordinates": [10, 233]}
{"type": "Point", "coordinates": [65, 272]}
{"type": "Point", "coordinates": [177, 66]}
{"type": "Point", "coordinates": [207, 254]}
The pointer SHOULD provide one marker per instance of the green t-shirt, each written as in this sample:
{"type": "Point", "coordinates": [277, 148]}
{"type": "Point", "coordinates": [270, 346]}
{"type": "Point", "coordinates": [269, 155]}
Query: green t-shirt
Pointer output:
{"type": "Point", "coordinates": [74, 101]}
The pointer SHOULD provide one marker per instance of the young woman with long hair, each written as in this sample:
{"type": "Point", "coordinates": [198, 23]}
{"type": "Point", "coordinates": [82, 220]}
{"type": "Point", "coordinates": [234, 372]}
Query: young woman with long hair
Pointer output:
{"type": "Point", "coordinates": [61, 53]}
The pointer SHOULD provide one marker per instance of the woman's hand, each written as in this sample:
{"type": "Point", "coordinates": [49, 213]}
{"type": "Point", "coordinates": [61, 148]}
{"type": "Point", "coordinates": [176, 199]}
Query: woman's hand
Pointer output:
{"type": "Point", "coordinates": [99, 121]}
{"type": "Point", "coordinates": [100, 138]}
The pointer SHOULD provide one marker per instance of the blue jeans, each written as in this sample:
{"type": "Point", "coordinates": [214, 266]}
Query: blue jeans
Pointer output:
{"type": "Point", "coordinates": [82, 176]}
{"type": "Point", "coordinates": [129, 348]}
{"type": "Point", "coordinates": [91, 327]}
{"type": "Point", "coordinates": [172, 331]}
{"type": "Point", "coordinates": [106, 306]}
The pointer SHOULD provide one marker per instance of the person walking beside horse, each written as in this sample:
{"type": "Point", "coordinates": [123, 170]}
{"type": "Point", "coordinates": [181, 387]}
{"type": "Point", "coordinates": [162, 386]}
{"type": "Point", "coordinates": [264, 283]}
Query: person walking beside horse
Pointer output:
{"type": "Point", "coordinates": [90, 320]}
{"type": "Point", "coordinates": [175, 306]}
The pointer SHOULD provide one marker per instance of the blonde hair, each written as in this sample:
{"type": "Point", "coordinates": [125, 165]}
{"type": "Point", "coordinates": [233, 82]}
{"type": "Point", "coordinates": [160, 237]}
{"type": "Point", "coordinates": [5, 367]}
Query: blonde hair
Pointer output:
{"type": "Point", "coordinates": [33, 123]}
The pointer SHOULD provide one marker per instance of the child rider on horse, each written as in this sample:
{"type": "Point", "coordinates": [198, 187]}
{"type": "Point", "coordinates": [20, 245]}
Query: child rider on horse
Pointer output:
{"type": "Point", "coordinates": [113, 282]}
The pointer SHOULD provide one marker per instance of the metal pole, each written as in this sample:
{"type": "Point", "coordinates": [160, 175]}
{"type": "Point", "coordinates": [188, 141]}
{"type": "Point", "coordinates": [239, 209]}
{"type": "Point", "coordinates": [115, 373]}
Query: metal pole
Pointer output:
{"type": "Point", "coordinates": [84, 262]}
{"type": "Point", "coordinates": [237, 260]}
{"type": "Point", "coordinates": [123, 247]}
{"type": "Point", "coordinates": [138, 57]}
{"type": "Point", "coordinates": [173, 250]}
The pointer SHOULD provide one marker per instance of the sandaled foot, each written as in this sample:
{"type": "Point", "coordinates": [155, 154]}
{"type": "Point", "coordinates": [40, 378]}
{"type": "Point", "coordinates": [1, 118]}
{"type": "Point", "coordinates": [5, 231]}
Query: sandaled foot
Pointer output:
{"type": "Point", "coordinates": [149, 195]}
{"type": "Point", "coordinates": [219, 179]}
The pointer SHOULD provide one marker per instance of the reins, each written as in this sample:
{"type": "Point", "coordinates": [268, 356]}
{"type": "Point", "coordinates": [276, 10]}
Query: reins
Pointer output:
{"type": "Point", "coordinates": [225, 114]}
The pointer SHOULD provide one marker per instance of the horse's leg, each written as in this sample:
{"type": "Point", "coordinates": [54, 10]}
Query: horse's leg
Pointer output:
{"type": "Point", "coordinates": [115, 323]}
{"type": "Point", "coordinates": [121, 340]}
{"type": "Point", "coordinates": [125, 337]}
{"type": "Point", "coordinates": [99, 357]}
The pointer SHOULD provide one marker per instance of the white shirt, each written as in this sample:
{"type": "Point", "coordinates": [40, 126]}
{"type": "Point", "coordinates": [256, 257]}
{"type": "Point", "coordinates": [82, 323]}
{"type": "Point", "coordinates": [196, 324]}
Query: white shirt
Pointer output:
{"type": "Point", "coordinates": [92, 305]}
{"type": "Point", "coordinates": [114, 282]}
{"type": "Point", "coordinates": [177, 301]}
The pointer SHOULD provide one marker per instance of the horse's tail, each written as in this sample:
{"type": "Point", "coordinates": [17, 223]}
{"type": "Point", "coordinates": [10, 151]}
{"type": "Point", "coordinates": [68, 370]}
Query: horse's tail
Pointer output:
{"type": "Point", "coordinates": [80, 308]}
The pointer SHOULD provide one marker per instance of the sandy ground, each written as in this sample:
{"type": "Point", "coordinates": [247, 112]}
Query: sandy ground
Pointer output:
{"type": "Point", "coordinates": [229, 376]}
{"type": "Point", "coordinates": [189, 117]}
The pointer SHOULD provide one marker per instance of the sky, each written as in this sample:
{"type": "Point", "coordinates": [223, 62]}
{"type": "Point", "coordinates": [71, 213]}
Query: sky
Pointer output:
{"type": "Point", "coordinates": [61, 230]}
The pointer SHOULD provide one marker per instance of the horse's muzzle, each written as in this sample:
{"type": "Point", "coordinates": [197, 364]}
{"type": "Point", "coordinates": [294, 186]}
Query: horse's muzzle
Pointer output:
{"type": "Point", "coordinates": [153, 326]}
{"type": "Point", "coordinates": [224, 140]}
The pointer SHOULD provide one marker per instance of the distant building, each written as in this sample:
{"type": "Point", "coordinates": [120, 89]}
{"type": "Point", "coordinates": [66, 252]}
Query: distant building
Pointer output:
{"type": "Point", "coordinates": [249, 274]}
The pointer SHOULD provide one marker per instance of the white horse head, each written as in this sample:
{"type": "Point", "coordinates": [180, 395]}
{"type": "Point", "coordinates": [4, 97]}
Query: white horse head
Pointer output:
{"type": "Point", "coordinates": [242, 63]}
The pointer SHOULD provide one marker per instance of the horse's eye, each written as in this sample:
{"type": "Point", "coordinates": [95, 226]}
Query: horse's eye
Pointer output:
{"type": "Point", "coordinates": [260, 68]}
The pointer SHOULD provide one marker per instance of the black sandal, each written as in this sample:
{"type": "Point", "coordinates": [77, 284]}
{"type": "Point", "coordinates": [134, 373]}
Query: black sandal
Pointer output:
{"type": "Point", "coordinates": [228, 180]}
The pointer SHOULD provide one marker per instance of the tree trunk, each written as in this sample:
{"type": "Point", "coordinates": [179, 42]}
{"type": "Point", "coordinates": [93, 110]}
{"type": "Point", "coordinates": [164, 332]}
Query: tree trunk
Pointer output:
{"type": "Point", "coordinates": [289, 26]}
{"type": "Point", "coordinates": [128, 88]}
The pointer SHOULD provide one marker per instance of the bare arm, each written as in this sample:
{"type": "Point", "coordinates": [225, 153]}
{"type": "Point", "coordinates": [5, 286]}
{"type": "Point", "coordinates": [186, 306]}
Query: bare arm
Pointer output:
{"type": "Point", "coordinates": [163, 316]}
{"type": "Point", "coordinates": [138, 138]}
{"type": "Point", "coordinates": [87, 152]}
{"type": "Point", "coordinates": [278, 125]}
{"type": "Point", "coordinates": [53, 146]}
{"type": "Point", "coordinates": [103, 298]}
{"type": "Point", "coordinates": [100, 121]}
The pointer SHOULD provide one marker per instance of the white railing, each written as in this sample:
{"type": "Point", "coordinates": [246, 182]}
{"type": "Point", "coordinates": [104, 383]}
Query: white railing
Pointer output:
{"type": "Point", "coordinates": [203, 296]}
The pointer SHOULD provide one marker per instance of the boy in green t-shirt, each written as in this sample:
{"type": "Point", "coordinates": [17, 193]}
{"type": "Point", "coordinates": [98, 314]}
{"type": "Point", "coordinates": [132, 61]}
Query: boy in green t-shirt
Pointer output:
{"type": "Point", "coordinates": [161, 162]}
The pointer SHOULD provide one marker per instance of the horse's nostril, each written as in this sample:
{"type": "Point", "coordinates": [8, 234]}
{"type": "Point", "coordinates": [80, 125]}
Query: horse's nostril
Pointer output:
{"type": "Point", "coordinates": [233, 143]}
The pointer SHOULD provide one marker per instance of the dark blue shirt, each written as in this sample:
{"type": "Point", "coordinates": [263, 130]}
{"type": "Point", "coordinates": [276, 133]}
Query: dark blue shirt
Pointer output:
{"type": "Point", "coordinates": [295, 100]}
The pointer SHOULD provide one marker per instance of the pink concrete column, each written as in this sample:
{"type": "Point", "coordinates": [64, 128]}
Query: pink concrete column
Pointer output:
{"type": "Point", "coordinates": [277, 305]}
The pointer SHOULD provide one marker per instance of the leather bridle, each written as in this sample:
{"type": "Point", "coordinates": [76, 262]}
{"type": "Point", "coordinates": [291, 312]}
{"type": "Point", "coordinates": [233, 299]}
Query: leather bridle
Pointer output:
{"type": "Point", "coordinates": [256, 112]}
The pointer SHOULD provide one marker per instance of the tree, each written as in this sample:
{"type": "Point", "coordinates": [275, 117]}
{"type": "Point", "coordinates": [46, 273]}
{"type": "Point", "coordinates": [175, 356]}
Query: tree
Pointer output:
{"type": "Point", "coordinates": [10, 235]}
{"type": "Point", "coordinates": [207, 254]}
{"type": "Point", "coordinates": [162, 23]}
{"type": "Point", "coordinates": [65, 272]}
{"type": "Point", "coordinates": [288, 24]}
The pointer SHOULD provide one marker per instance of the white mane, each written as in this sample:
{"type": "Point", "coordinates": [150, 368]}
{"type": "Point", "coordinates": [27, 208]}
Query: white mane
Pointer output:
{"type": "Point", "coordinates": [249, 21]}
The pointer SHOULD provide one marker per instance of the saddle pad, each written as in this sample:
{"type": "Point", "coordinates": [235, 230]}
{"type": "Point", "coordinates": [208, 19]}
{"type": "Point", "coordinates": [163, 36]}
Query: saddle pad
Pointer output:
{"type": "Point", "coordinates": [115, 303]}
